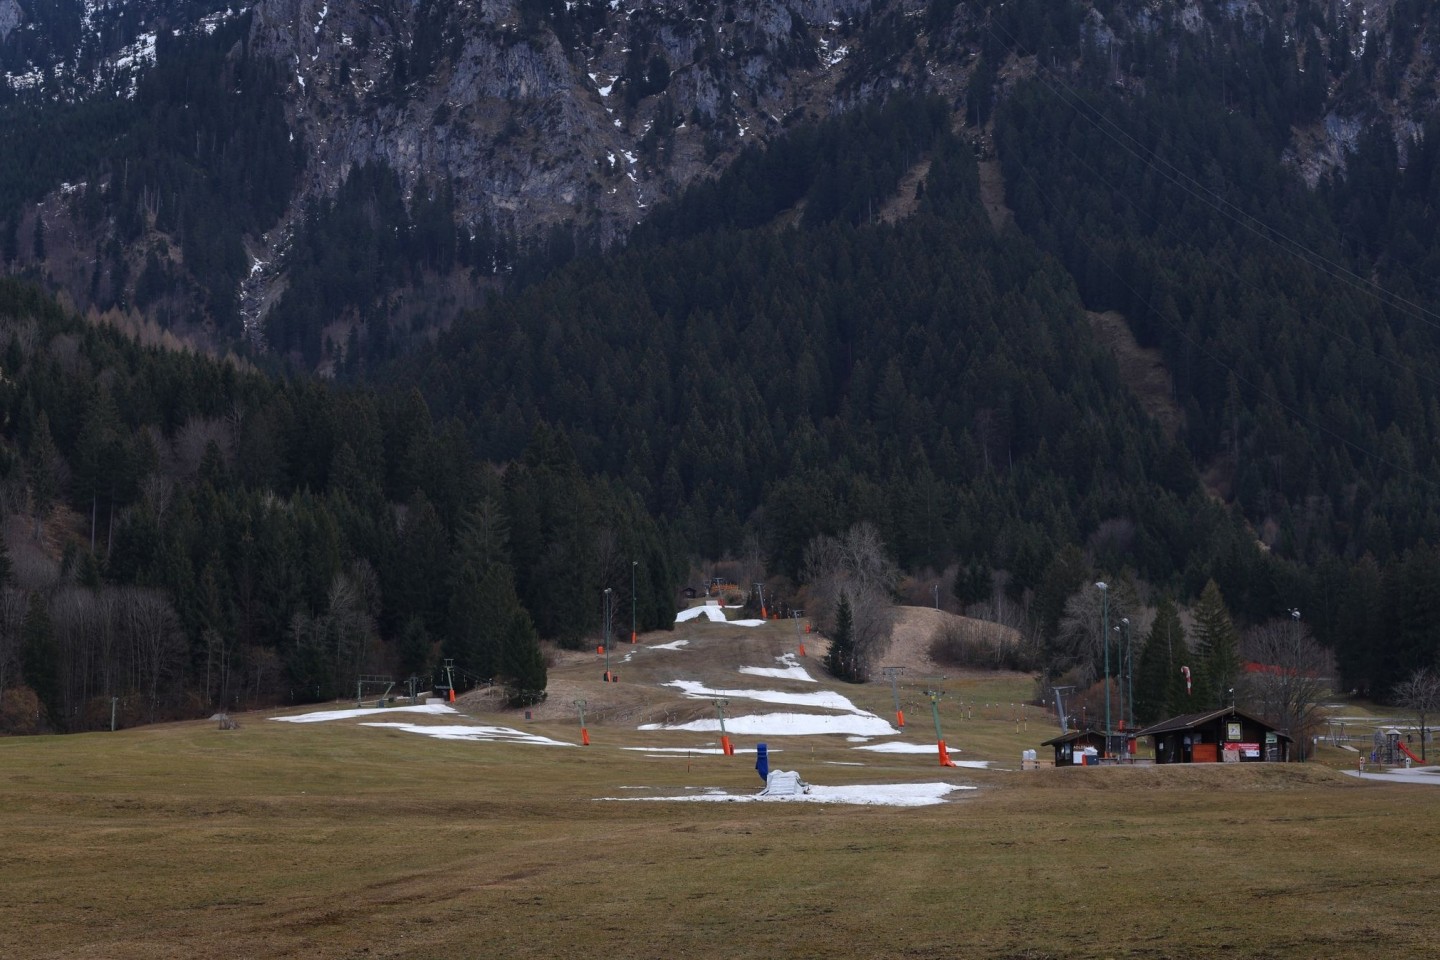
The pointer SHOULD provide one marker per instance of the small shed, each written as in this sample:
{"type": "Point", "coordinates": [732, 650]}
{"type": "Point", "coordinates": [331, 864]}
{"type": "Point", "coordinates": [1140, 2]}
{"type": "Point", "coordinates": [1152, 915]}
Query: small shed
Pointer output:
{"type": "Point", "coordinates": [1225, 735]}
{"type": "Point", "coordinates": [1070, 746]}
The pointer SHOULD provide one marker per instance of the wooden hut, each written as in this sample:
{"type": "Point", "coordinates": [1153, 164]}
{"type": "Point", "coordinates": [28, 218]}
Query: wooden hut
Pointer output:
{"type": "Point", "coordinates": [1070, 746]}
{"type": "Point", "coordinates": [1224, 735]}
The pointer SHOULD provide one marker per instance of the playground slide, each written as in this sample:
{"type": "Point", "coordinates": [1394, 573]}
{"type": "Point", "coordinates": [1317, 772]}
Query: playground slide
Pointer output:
{"type": "Point", "coordinates": [1406, 750]}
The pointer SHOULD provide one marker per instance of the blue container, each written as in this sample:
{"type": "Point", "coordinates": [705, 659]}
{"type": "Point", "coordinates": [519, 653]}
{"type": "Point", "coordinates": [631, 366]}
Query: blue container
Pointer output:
{"type": "Point", "coordinates": [762, 761]}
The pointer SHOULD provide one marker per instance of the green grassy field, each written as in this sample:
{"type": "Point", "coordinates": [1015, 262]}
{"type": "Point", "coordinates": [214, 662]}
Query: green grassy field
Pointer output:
{"type": "Point", "coordinates": [337, 840]}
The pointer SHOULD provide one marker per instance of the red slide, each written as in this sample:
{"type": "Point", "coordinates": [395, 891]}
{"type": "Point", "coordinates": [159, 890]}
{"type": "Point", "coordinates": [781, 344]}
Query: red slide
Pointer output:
{"type": "Point", "coordinates": [1406, 750]}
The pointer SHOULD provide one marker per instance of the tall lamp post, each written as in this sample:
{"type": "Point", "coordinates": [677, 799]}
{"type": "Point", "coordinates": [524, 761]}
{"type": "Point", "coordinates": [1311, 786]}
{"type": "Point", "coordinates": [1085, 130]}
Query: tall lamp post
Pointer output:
{"type": "Point", "coordinates": [609, 602]}
{"type": "Point", "coordinates": [1295, 638]}
{"type": "Point", "coordinates": [633, 564]}
{"type": "Point", "coordinates": [1129, 676]}
{"type": "Point", "coordinates": [1104, 589]}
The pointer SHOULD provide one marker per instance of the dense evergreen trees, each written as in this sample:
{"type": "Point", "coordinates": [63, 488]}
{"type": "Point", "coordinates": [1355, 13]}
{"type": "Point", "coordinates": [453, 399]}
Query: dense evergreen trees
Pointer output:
{"type": "Point", "coordinates": [242, 554]}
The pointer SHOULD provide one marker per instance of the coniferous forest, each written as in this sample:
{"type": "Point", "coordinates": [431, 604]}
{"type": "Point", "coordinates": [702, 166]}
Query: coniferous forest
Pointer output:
{"type": "Point", "coordinates": [774, 356]}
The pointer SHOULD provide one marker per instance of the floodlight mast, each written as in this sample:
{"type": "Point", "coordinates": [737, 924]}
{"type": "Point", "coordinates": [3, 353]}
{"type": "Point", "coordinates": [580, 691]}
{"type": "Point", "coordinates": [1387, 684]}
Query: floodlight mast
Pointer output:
{"type": "Point", "coordinates": [1104, 589]}
{"type": "Point", "coordinates": [606, 609]}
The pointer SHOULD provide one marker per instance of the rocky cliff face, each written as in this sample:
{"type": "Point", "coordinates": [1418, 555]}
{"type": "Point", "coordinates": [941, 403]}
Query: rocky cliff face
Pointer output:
{"type": "Point", "coordinates": [543, 113]}
{"type": "Point", "coordinates": [585, 113]}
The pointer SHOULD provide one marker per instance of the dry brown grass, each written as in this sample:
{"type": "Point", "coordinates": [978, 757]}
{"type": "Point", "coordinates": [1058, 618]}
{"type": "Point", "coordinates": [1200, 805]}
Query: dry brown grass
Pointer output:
{"type": "Point", "coordinates": [335, 840]}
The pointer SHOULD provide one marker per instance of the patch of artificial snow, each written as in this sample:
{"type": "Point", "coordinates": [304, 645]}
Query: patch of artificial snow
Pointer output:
{"type": "Point", "coordinates": [713, 614]}
{"type": "Point", "coordinates": [823, 699]}
{"type": "Point", "coordinates": [457, 732]}
{"type": "Point", "coordinates": [862, 794]}
{"type": "Point", "coordinates": [895, 746]}
{"type": "Point", "coordinates": [672, 645]}
{"type": "Point", "coordinates": [677, 751]}
{"type": "Point", "coordinates": [791, 671]}
{"type": "Point", "coordinates": [787, 725]}
{"type": "Point", "coordinates": [747, 623]}
{"type": "Point", "coordinates": [322, 715]}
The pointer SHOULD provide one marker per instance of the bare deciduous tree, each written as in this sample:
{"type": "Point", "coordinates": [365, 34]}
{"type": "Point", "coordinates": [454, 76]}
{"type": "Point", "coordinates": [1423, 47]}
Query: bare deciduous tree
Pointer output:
{"type": "Point", "coordinates": [856, 565]}
{"type": "Point", "coordinates": [1291, 676]}
{"type": "Point", "coordinates": [156, 640]}
{"type": "Point", "coordinates": [1421, 693]}
{"type": "Point", "coordinates": [1080, 641]}
{"type": "Point", "coordinates": [194, 438]}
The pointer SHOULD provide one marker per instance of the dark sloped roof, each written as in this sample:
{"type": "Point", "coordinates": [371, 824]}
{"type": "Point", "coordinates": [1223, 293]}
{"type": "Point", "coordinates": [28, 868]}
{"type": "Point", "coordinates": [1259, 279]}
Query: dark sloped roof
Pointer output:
{"type": "Point", "coordinates": [1190, 721]}
{"type": "Point", "coordinates": [1073, 736]}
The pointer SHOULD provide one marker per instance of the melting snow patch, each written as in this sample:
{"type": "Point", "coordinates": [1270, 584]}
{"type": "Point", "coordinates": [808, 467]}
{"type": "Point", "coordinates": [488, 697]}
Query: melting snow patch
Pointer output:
{"type": "Point", "coordinates": [787, 725]}
{"type": "Point", "coordinates": [824, 699]}
{"type": "Point", "coordinates": [322, 715]}
{"type": "Point", "coordinates": [927, 748]}
{"type": "Point", "coordinates": [455, 732]}
{"type": "Point", "coordinates": [791, 671]}
{"type": "Point", "coordinates": [714, 614]}
{"type": "Point", "coordinates": [746, 623]}
{"type": "Point", "coordinates": [672, 645]}
{"type": "Point", "coordinates": [677, 751]}
{"type": "Point", "coordinates": [862, 794]}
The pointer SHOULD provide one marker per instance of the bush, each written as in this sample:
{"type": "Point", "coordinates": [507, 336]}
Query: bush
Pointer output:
{"type": "Point", "coordinates": [978, 645]}
{"type": "Point", "coordinates": [20, 712]}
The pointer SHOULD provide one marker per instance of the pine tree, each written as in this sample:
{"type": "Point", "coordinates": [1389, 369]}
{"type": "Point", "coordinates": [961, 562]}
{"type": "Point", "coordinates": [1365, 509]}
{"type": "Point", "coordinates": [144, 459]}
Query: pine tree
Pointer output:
{"type": "Point", "coordinates": [43, 470]}
{"type": "Point", "coordinates": [413, 651]}
{"type": "Point", "coordinates": [1217, 648]}
{"type": "Point", "coordinates": [6, 573]}
{"type": "Point", "coordinates": [1159, 687]}
{"type": "Point", "coordinates": [523, 662]}
{"type": "Point", "coordinates": [840, 661]}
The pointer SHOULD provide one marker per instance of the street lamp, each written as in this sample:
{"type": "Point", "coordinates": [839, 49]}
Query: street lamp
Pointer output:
{"type": "Point", "coordinates": [1129, 672]}
{"type": "Point", "coordinates": [609, 601]}
{"type": "Point", "coordinates": [633, 564]}
{"type": "Point", "coordinates": [1104, 589]}
{"type": "Point", "coordinates": [1294, 650]}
